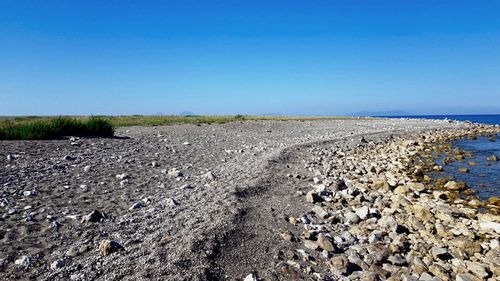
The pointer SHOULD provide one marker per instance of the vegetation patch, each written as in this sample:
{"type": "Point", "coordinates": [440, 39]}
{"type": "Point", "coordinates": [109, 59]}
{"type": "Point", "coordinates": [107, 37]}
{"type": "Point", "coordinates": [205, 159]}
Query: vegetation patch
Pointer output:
{"type": "Point", "coordinates": [54, 128]}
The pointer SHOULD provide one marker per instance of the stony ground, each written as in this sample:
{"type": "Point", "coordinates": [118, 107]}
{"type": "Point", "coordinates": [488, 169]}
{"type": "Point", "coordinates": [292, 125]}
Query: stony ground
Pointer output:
{"type": "Point", "coordinates": [187, 202]}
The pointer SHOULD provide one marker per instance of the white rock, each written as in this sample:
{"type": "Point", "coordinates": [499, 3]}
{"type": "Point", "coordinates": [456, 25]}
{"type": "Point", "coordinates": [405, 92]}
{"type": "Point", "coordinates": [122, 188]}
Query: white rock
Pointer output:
{"type": "Point", "coordinates": [137, 205]}
{"type": "Point", "coordinates": [186, 143]}
{"type": "Point", "coordinates": [495, 226]}
{"type": "Point", "coordinates": [24, 261]}
{"type": "Point", "coordinates": [57, 264]}
{"type": "Point", "coordinates": [186, 186]}
{"type": "Point", "coordinates": [494, 244]}
{"type": "Point", "coordinates": [122, 176]}
{"type": "Point", "coordinates": [87, 168]}
{"type": "Point", "coordinates": [363, 212]}
{"type": "Point", "coordinates": [250, 277]}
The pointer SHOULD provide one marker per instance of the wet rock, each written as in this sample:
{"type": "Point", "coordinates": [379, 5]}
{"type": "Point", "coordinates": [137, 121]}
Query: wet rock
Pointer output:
{"type": "Point", "coordinates": [463, 170]}
{"type": "Point", "coordinates": [492, 158]}
{"type": "Point", "coordinates": [107, 247]}
{"type": "Point", "coordinates": [453, 185]}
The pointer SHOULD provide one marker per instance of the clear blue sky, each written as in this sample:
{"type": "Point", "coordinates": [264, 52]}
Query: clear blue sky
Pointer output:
{"type": "Point", "coordinates": [249, 57]}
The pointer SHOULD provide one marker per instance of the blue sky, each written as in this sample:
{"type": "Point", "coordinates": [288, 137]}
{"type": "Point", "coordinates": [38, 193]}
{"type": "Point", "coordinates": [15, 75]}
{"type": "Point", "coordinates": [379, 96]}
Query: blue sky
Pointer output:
{"type": "Point", "coordinates": [249, 57]}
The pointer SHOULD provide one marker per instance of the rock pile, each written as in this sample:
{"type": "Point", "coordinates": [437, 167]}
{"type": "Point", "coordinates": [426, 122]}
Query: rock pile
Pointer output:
{"type": "Point", "coordinates": [376, 215]}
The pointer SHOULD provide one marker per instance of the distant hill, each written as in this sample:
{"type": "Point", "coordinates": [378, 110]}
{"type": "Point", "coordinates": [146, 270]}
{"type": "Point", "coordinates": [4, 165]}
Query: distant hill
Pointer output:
{"type": "Point", "coordinates": [381, 113]}
{"type": "Point", "coordinates": [187, 113]}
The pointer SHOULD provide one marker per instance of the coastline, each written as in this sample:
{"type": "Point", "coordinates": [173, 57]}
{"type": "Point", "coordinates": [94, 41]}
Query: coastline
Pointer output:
{"type": "Point", "coordinates": [396, 223]}
{"type": "Point", "coordinates": [251, 210]}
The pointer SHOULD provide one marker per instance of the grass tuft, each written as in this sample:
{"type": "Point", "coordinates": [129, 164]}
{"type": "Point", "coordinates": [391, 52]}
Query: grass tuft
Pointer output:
{"type": "Point", "coordinates": [55, 128]}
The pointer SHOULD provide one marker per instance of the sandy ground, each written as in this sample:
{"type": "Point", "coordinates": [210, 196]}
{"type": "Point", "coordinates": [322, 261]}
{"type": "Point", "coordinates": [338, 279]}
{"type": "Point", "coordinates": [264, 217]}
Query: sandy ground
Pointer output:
{"type": "Point", "coordinates": [186, 202]}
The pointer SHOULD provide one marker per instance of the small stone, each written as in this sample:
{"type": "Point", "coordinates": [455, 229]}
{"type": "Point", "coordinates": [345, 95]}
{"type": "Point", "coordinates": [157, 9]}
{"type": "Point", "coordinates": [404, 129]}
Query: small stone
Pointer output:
{"type": "Point", "coordinates": [94, 216]}
{"type": "Point", "coordinates": [440, 253]}
{"type": "Point", "coordinates": [137, 205]}
{"type": "Point", "coordinates": [397, 260]}
{"type": "Point", "coordinates": [208, 176]}
{"type": "Point", "coordinates": [453, 185]}
{"type": "Point", "coordinates": [311, 245]}
{"type": "Point", "coordinates": [466, 245]}
{"type": "Point", "coordinates": [186, 143]}
{"type": "Point", "coordinates": [29, 193]}
{"type": "Point", "coordinates": [24, 261]}
{"type": "Point", "coordinates": [351, 217]}
{"type": "Point", "coordinates": [401, 190]}
{"type": "Point", "coordinates": [174, 173]}
{"type": "Point", "coordinates": [325, 243]}
{"type": "Point", "coordinates": [86, 169]}
{"type": "Point", "coordinates": [376, 236]}
{"type": "Point", "coordinates": [437, 168]}
{"type": "Point", "coordinates": [186, 186]}
{"type": "Point", "coordinates": [171, 202]}
{"type": "Point", "coordinates": [363, 212]}
{"type": "Point", "coordinates": [57, 264]}
{"type": "Point", "coordinates": [464, 277]}
{"type": "Point", "coordinates": [477, 269]}
{"type": "Point", "coordinates": [72, 252]}
{"type": "Point", "coordinates": [287, 235]}
{"type": "Point", "coordinates": [122, 176]}
{"type": "Point", "coordinates": [339, 264]}
{"type": "Point", "coordinates": [107, 247]}
{"type": "Point", "coordinates": [492, 158]}
{"type": "Point", "coordinates": [439, 272]}
{"type": "Point", "coordinates": [312, 197]}
{"type": "Point", "coordinates": [250, 277]}
{"type": "Point", "coordinates": [69, 158]}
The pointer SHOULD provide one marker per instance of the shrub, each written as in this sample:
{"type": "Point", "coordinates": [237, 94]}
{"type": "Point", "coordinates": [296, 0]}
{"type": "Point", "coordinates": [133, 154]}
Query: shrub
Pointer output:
{"type": "Point", "coordinates": [56, 128]}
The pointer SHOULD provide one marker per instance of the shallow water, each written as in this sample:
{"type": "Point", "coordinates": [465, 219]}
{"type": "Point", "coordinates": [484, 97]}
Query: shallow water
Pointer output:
{"type": "Point", "coordinates": [483, 178]}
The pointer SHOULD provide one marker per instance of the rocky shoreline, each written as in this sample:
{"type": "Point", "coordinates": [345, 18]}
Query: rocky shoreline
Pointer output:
{"type": "Point", "coordinates": [377, 215]}
{"type": "Point", "coordinates": [234, 202]}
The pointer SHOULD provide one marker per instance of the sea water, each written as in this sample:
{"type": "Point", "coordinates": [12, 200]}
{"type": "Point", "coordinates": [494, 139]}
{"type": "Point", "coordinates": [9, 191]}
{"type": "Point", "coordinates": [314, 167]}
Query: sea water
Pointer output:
{"type": "Point", "coordinates": [485, 177]}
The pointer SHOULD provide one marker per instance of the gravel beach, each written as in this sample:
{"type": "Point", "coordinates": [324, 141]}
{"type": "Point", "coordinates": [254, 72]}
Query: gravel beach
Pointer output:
{"type": "Point", "coordinates": [253, 200]}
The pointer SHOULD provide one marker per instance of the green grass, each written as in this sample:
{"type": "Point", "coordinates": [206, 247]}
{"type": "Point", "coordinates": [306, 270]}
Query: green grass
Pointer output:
{"type": "Point", "coordinates": [36, 127]}
{"type": "Point", "coordinates": [33, 128]}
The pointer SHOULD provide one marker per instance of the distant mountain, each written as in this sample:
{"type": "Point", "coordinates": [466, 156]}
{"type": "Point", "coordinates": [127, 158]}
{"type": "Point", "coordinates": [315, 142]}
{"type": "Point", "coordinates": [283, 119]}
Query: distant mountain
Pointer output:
{"type": "Point", "coordinates": [187, 113]}
{"type": "Point", "coordinates": [380, 113]}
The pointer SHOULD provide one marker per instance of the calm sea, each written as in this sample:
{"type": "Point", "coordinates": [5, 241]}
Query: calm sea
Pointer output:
{"type": "Point", "coordinates": [492, 119]}
{"type": "Point", "coordinates": [485, 177]}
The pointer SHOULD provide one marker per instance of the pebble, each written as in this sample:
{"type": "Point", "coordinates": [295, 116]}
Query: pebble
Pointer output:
{"type": "Point", "coordinates": [57, 264]}
{"type": "Point", "coordinates": [250, 277]}
{"type": "Point", "coordinates": [107, 247]}
{"type": "Point", "coordinates": [137, 205]}
{"type": "Point", "coordinates": [351, 217]}
{"type": "Point", "coordinates": [94, 216]}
